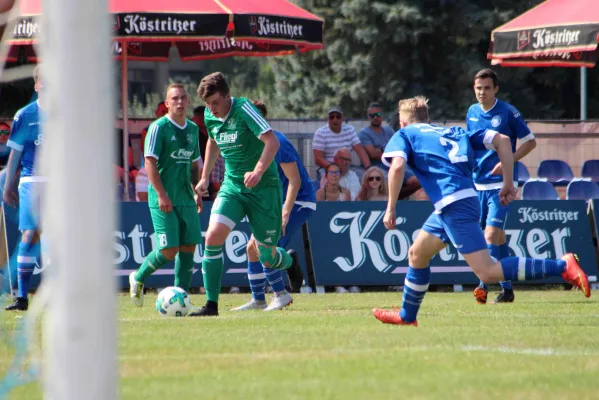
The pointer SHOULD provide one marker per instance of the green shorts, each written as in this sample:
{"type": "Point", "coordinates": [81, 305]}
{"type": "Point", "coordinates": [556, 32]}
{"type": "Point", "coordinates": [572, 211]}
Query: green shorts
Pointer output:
{"type": "Point", "coordinates": [179, 227]}
{"type": "Point", "coordinates": [263, 208]}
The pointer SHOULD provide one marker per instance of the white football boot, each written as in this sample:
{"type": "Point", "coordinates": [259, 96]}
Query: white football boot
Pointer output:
{"type": "Point", "coordinates": [136, 289]}
{"type": "Point", "coordinates": [279, 301]}
{"type": "Point", "coordinates": [251, 305]}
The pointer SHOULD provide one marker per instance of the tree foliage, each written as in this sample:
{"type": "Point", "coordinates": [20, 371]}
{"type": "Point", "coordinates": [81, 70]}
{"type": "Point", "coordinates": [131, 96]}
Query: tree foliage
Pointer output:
{"type": "Point", "coordinates": [384, 50]}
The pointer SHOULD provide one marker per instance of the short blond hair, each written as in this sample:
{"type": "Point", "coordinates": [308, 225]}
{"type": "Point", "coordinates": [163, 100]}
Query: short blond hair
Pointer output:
{"type": "Point", "coordinates": [174, 86]}
{"type": "Point", "coordinates": [414, 109]}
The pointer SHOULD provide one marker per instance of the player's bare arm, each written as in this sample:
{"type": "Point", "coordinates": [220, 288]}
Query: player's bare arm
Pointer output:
{"type": "Point", "coordinates": [164, 202]}
{"type": "Point", "coordinates": [396, 175]}
{"type": "Point", "coordinates": [503, 147]}
{"type": "Point", "coordinates": [196, 174]}
{"type": "Point", "coordinates": [522, 151]}
{"type": "Point", "coordinates": [271, 146]}
{"type": "Point", "coordinates": [212, 153]}
{"type": "Point", "coordinates": [295, 181]}
{"type": "Point", "coordinates": [11, 196]}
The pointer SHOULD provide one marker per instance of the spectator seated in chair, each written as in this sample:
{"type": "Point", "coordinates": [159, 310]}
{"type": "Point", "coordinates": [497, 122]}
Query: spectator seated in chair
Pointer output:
{"type": "Point", "coordinates": [332, 191]}
{"type": "Point", "coordinates": [374, 186]}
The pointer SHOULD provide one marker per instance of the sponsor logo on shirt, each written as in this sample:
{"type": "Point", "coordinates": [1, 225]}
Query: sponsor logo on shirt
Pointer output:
{"type": "Point", "coordinates": [227, 137]}
{"type": "Point", "coordinates": [496, 121]}
{"type": "Point", "coordinates": [181, 154]}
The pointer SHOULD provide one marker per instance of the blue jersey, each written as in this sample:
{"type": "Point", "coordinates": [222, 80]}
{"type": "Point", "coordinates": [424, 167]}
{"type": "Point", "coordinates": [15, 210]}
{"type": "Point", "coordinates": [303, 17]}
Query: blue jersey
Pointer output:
{"type": "Point", "coordinates": [287, 154]}
{"type": "Point", "coordinates": [504, 119]}
{"type": "Point", "coordinates": [441, 158]}
{"type": "Point", "coordinates": [25, 136]}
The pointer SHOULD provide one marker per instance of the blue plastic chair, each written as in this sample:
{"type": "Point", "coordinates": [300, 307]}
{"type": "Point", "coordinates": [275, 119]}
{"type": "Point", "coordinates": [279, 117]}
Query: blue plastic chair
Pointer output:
{"type": "Point", "coordinates": [582, 190]}
{"type": "Point", "coordinates": [539, 190]}
{"type": "Point", "coordinates": [590, 169]}
{"type": "Point", "coordinates": [557, 172]}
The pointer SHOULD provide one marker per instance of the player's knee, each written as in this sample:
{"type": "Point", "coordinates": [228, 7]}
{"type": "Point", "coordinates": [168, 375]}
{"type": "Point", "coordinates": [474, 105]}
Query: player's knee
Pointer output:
{"type": "Point", "coordinates": [415, 257]}
{"type": "Point", "coordinates": [170, 253]}
{"type": "Point", "coordinates": [252, 252]}
{"type": "Point", "coordinates": [494, 235]}
{"type": "Point", "coordinates": [216, 236]}
{"type": "Point", "coordinates": [266, 255]}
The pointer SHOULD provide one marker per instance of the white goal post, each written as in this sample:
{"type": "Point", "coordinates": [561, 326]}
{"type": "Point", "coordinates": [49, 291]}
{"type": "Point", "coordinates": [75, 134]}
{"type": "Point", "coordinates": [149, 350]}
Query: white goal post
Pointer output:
{"type": "Point", "coordinates": [79, 203]}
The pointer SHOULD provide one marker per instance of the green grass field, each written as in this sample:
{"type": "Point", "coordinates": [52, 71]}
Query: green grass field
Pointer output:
{"type": "Point", "coordinates": [544, 346]}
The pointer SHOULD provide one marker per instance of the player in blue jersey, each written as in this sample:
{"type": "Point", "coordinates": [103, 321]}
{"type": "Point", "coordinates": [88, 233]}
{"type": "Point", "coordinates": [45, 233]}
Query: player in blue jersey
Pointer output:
{"type": "Point", "coordinates": [299, 204]}
{"type": "Point", "coordinates": [442, 158]}
{"type": "Point", "coordinates": [25, 137]}
{"type": "Point", "coordinates": [492, 113]}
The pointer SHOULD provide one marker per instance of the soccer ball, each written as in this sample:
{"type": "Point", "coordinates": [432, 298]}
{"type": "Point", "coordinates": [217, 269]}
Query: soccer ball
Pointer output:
{"type": "Point", "coordinates": [173, 302]}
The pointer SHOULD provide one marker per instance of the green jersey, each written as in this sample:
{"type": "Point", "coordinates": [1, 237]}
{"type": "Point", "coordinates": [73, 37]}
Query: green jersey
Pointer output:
{"type": "Point", "coordinates": [238, 137]}
{"type": "Point", "coordinates": [175, 148]}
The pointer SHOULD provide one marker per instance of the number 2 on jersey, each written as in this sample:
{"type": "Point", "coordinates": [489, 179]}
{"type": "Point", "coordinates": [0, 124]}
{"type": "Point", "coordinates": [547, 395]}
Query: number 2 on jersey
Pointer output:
{"type": "Point", "coordinates": [453, 152]}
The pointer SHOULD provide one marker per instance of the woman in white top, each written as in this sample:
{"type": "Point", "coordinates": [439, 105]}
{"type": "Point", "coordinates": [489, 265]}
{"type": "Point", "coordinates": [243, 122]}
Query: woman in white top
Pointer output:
{"type": "Point", "coordinates": [332, 191]}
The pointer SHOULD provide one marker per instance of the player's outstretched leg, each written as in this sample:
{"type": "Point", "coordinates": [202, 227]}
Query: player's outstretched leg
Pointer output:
{"type": "Point", "coordinates": [416, 283]}
{"type": "Point", "coordinates": [256, 279]}
{"type": "Point", "coordinates": [529, 269]}
{"type": "Point", "coordinates": [153, 261]}
{"type": "Point", "coordinates": [28, 254]}
{"type": "Point", "coordinates": [276, 259]}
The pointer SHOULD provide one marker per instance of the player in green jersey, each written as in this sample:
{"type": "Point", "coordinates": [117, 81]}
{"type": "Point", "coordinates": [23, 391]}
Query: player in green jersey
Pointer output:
{"type": "Point", "coordinates": [251, 187]}
{"type": "Point", "coordinates": [172, 162]}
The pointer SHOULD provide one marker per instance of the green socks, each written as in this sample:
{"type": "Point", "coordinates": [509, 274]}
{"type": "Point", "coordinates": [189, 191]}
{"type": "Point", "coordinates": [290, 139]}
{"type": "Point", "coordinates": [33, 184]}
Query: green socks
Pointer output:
{"type": "Point", "coordinates": [212, 271]}
{"type": "Point", "coordinates": [153, 261]}
{"type": "Point", "coordinates": [183, 270]}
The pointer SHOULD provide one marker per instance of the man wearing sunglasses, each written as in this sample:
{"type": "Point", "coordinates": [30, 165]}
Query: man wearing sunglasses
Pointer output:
{"type": "Point", "coordinates": [374, 138]}
{"type": "Point", "coordinates": [334, 136]}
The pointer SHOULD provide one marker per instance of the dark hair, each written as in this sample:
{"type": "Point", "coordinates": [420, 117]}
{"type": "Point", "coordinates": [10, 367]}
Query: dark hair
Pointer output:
{"type": "Point", "coordinates": [375, 104]}
{"type": "Point", "coordinates": [487, 73]}
{"type": "Point", "coordinates": [212, 84]}
{"type": "Point", "coordinates": [261, 107]}
{"type": "Point", "coordinates": [199, 111]}
{"type": "Point", "coordinates": [329, 167]}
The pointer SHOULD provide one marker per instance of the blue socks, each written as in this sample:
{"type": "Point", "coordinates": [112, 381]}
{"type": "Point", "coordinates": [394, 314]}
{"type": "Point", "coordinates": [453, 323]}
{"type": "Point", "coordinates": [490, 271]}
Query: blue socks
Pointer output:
{"type": "Point", "coordinates": [257, 277]}
{"type": "Point", "coordinates": [275, 279]}
{"type": "Point", "coordinates": [26, 260]}
{"type": "Point", "coordinates": [415, 287]}
{"type": "Point", "coordinates": [527, 269]}
{"type": "Point", "coordinates": [257, 280]}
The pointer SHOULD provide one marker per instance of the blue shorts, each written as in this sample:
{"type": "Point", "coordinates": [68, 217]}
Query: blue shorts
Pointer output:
{"type": "Point", "coordinates": [28, 206]}
{"type": "Point", "coordinates": [493, 213]}
{"type": "Point", "coordinates": [458, 224]}
{"type": "Point", "coordinates": [298, 216]}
